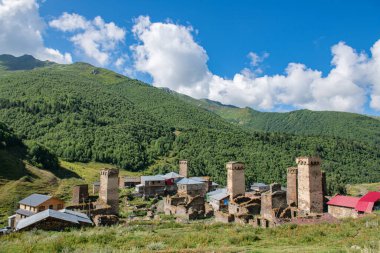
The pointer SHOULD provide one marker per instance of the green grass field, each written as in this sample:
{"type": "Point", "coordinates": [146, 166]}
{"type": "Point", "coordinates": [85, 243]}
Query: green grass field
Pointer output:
{"type": "Point", "coordinates": [360, 235]}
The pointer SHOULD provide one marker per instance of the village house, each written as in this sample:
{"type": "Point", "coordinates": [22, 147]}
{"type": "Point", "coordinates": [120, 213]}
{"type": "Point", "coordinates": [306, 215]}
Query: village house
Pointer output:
{"type": "Point", "coordinates": [36, 203]}
{"type": "Point", "coordinates": [129, 182]}
{"type": "Point", "coordinates": [191, 187]}
{"type": "Point", "coordinates": [151, 186]}
{"type": "Point", "coordinates": [54, 220]}
{"type": "Point", "coordinates": [346, 206]}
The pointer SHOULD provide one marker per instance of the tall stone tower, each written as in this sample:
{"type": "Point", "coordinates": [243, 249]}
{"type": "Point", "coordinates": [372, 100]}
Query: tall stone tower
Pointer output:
{"type": "Point", "coordinates": [310, 192]}
{"type": "Point", "coordinates": [183, 168]}
{"type": "Point", "coordinates": [235, 179]}
{"type": "Point", "coordinates": [292, 185]}
{"type": "Point", "coordinates": [109, 188]}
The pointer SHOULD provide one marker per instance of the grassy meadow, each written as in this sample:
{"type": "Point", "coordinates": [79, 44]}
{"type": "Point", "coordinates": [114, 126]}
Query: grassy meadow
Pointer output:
{"type": "Point", "coordinates": [360, 235]}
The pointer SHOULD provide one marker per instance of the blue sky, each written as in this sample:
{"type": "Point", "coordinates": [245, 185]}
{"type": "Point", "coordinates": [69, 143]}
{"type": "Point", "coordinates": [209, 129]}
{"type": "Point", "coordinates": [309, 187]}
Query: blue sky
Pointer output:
{"type": "Point", "coordinates": [223, 35]}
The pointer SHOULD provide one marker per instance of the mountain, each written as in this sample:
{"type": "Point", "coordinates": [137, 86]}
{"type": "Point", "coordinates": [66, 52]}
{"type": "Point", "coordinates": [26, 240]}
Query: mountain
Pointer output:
{"type": "Point", "coordinates": [345, 125]}
{"type": "Point", "coordinates": [25, 62]}
{"type": "Point", "coordinates": [82, 113]}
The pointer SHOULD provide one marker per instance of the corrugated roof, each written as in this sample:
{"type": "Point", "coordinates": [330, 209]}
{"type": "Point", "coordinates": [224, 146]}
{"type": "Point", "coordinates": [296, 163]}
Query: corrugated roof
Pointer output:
{"type": "Point", "coordinates": [222, 190]}
{"type": "Point", "coordinates": [35, 200]}
{"type": "Point", "coordinates": [366, 203]}
{"type": "Point", "coordinates": [219, 196]}
{"type": "Point", "coordinates": [199, 179]}
{"type": "Point", "coordinates": [188, 181]}
{"type": "Point", "coordinates": [25, 212]}
{"type": "Point", "coordinates": [96, 183]}
{"type": "Point", "coordinates": [152, 178]}
{"type": "Point", "coordinates": [172, 175]}
{"type": "Point", "coordinates": [344, 201]}
{"type": "Point", "coordinates": [259, 185]}
{"type": "Point", "coordinates": [61, 215]}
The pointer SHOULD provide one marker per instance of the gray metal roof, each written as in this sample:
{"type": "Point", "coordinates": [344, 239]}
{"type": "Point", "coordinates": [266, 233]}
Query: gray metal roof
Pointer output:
{"type": "Point", "coordinates": [259, 185]}
{"type": "Point", "coordinates": [25, 212]}
{"type": "Point", "coordinates": [219, 196]}
{"type": "Point", "coordinates": [35, 200]}
{"type": "Point", "coordinates": [217, 191]}
{"type": "Point", "coordinates": [199, 179]}
{"type": "Point", "coordinates": [172, 175]}
{"type": "Point", "coordinates": [152, 178]}
{"type": "Point", "coordinates": [188, 181]}
{"type": "Point", "coordinates": [96, 183]}
{"type": "Point", "coordinates": [72, 217]}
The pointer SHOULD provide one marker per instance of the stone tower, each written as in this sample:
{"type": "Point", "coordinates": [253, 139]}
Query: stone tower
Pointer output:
{"type": "Point", "coordinates": [109, 188]}
{"type": "Point", "coordinates": [183, 169]}
{"type": "Point", "coordinates": [235, 179]}
{"type": "Point", "coordinates": [291, 191]}
{"type": "Point", "coordinates": [80, 194]}
{"type": "Point", "coordinates": [310, 192]}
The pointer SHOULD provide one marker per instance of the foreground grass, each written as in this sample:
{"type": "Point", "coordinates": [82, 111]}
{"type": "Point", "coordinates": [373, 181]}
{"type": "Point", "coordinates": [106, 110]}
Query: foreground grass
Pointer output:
{"type": "Point", "coordinates": [361, 235]}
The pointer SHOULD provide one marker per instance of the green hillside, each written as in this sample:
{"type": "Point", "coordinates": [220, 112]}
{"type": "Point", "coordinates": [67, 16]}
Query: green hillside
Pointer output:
{"type": "Point", "coordinates": [82, 113]}
{"type": "Point", "coordinates": [302, 122]}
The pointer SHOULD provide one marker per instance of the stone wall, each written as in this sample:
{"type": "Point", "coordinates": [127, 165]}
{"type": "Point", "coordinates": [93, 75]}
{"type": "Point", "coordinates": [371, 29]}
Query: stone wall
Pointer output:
{"type": "Point", "coordinates": [80, 194]}
{"type": "Point", "coordinates": [342, 212]}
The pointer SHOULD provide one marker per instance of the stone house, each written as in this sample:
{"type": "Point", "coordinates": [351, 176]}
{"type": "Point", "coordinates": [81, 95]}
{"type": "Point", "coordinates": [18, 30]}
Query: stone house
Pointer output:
{"type": "Point", "coordinates": [185, 206]}
{"type": "Point", "coordinates": [273, 202]}
{"type": "Point", "coordinates": [36, 203]}
{"type": "Point", "coordinates": [219, 201]}
{"type": "Point", "coordinates": [190, 187]}
{"type": "Point", "coordinates": [129, 182]}
{"type": "Point", "coordinates": [343, 206]}
{"type": "Point", "coordinates": [151, 186]}
{"type": "Point", "coordinates": [80, 194]}
{"type": "Point", "coordinates": [346, 206]}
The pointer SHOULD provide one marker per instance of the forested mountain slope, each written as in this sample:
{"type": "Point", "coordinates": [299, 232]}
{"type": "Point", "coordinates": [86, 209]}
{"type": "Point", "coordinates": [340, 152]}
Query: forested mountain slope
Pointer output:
{"type": "Point", "coordinates": [84, 113]}
{"type": "Point", "coordinates": [302, 122]}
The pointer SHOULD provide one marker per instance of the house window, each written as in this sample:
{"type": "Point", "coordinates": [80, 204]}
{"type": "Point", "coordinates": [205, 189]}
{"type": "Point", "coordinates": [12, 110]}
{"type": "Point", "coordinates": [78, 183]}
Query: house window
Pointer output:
{"type": "Point", "coordinates": [41, 208]}
{"type": "Point", "coordinates": [51, 207]}
{"type": "Point", "coordinates": [59, 206]}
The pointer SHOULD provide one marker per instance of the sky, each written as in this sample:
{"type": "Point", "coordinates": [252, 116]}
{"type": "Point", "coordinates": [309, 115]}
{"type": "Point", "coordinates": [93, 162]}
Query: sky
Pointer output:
{"type": "Point", "coordinates": [268, 55]}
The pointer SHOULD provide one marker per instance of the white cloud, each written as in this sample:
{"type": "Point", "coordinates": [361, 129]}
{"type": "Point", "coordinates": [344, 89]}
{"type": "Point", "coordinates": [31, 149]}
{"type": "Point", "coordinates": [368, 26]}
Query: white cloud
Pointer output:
{"type": "Point", "coordinates": [256, 59]}
{"type": "Point", "coordinates": [95, 39]}
{"type": "Point", "coordinates": [21, 30]}
{"type": "Point", "coordinates": [169, 53]}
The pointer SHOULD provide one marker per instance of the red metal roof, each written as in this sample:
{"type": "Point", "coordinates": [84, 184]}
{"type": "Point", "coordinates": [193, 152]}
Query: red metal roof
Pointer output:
{"type": "Point", "coordinates": [345, 201]}
{"type": "Point", "coordinates": [366, 203]}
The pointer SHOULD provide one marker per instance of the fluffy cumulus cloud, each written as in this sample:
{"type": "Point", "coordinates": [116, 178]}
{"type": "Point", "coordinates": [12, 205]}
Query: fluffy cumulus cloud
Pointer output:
{"type": "Point", "coordinates": [21, 31]}
{"type": "Point", "coordinates": [169, 53]}
{"type": "Point", "coordinates": [95, 39]}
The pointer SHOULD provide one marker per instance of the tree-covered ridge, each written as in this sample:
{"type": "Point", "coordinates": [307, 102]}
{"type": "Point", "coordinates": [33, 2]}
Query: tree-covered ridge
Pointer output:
{"type": "Point", "coordinates": [302, 122]}
{"type": "Point", "coordinates": [83, 113]}
{"type": "Point", "coordinates": [25, 62]}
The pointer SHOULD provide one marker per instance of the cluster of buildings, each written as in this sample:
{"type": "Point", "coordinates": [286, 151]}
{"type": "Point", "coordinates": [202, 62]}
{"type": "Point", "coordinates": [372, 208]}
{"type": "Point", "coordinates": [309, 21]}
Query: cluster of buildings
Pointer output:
{"type": "Point", "coordinates": [196, 198]}
{"type": "Point", "coordinates": [39, 211]}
